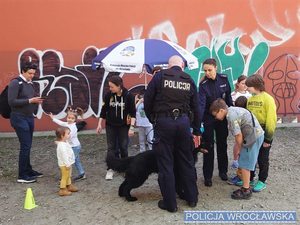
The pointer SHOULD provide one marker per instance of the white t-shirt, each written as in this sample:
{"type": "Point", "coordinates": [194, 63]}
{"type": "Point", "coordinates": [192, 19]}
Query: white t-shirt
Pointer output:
{"type": "Point", "coordinates": [65, 154]}
{"type": "Point", "coordinates": [73, 134]}
{"type": "Point", "coordinates": [236, 94]}
{"type": "Point", "coordinates": [141, 118]}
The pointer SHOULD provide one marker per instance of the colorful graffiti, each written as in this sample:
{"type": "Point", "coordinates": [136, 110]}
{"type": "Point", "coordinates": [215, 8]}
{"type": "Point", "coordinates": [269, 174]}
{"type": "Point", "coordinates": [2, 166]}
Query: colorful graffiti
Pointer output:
{"type": "Point", "coordinates": [250, 40]}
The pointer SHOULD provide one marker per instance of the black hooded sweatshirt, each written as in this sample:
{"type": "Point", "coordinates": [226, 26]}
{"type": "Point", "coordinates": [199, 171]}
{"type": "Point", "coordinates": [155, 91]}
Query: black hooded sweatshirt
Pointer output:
{"type": "Point", "coordinates": [115, 108]}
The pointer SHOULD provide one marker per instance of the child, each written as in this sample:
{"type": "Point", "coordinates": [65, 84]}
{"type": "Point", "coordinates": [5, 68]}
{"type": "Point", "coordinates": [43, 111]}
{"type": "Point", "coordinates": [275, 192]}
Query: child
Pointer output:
{"type": "Point", "coordinates": [236, 180]}
{"type": "Point", "coordinates": [145, 127]}
{"type": "Point", "coordinates": [240, 89]}
{"type": "Point", "coordinates": [238, 120]}
{"type": "Point", "coordinates": [263, 106]}
{"type": "Point", "coordinates": [65, 158]}
{"type": "Point", "coordinates": [72, 116]}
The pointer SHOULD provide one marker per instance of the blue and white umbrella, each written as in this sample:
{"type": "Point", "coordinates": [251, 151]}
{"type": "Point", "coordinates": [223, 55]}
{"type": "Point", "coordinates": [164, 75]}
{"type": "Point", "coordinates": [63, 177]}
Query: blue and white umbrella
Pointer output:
{"type": "Point", "coordinates": [130, 56]}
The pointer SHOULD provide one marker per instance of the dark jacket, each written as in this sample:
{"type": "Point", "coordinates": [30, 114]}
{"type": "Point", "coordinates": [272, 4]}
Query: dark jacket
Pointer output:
{"type": "Point", "coordinates": [170, 89]}
{"type": "Point", "coordinates": [19, 93]}
{"type": "Point", "coordinates": [210, 90]}
{"type": "Point", "coordinates": [116, 108]}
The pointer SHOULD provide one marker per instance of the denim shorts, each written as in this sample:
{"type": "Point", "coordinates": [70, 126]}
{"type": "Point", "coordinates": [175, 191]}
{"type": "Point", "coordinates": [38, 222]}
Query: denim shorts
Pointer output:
{"type": "Point", "coordinates": [248, 156]}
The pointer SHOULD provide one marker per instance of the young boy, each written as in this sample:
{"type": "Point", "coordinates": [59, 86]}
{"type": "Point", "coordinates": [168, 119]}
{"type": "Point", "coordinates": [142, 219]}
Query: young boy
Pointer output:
{"type": "Point", "coordinates": [238, 120]}
{"type": "Point", "coordinates": [241, 101]}
{"type": "Point", "coordinates": [263, 106]}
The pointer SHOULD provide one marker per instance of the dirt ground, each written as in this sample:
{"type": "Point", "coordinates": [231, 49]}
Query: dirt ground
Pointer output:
{"type": "Point", "coordinates": [97, 202]}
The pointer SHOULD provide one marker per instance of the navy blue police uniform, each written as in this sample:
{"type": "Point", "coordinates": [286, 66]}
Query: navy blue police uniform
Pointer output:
{"type": "Point", "coordinates": [210, 90]}
{"type": "Point", "coordinates": [170, 97]}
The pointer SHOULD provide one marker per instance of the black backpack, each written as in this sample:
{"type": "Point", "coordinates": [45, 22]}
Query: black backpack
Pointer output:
{"type": "Point", "coordinates": [5, 109]}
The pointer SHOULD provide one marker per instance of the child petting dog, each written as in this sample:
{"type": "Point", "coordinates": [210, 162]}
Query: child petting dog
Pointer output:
{"type": "Point", "coordinates": [249, 137]}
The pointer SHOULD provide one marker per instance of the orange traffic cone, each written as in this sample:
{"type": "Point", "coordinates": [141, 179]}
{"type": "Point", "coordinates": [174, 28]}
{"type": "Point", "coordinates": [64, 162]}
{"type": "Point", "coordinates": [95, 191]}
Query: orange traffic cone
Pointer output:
{"type": "Point", "coordinates": [29, 200]}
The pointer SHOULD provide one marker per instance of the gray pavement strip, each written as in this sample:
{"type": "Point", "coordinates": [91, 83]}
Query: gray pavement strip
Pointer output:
{"type": "Point", "coordinates": [51, 133]}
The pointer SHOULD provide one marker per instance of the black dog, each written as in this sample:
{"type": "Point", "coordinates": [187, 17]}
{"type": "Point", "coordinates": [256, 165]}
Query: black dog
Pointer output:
{"type": "Point", "coordinates": [137, 170]}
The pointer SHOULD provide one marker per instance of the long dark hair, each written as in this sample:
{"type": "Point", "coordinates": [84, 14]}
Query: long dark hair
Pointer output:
{"type": "Point", "coordinates": [116, 80]}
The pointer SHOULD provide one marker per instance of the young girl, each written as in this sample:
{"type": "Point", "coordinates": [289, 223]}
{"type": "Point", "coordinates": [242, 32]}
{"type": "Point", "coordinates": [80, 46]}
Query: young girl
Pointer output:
{"type": "Point", "coordinates": [263, 106]}
{"type": "Point", "coordinates": [118, 112]}
{"type": "Point", "coordinates": [145, 127]}
{"type": "Point", "coordinates": [240, 89]}
{"type": "Point", "coordinates": [72, 116]}
{"type": "Point", "coordinates": [65, 158]}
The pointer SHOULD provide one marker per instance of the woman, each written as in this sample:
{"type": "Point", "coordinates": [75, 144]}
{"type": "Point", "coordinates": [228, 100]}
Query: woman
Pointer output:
{"type": "Point", "coordinates": [118, 113]}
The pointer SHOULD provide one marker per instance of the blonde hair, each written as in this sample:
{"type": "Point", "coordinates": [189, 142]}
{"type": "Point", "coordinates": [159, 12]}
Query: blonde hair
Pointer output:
{"type": "Point", "coordinates": [60, 132]}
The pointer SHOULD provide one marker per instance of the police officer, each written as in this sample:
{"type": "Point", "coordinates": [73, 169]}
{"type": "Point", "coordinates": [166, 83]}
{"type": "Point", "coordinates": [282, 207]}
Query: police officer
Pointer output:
{"type": "Point", "coordinates": [170, 97]}
{"type": "Point", "coordinates": [212, 87]}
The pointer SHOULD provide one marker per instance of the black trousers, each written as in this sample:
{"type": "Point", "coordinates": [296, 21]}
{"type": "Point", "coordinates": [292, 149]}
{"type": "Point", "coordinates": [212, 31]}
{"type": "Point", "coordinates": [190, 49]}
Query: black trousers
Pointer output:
{"type": "Point", "coordinates": [219, 128]}
{"type": "Point", "coordinates": [173, 148]}
{"type": "Point", "coordinates": [263, 164]}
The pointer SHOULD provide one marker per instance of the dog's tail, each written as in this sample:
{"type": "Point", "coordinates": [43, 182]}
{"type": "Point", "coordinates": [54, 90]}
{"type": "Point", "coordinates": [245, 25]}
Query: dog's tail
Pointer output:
{"type": "Point", "coordinates": [117, 164]}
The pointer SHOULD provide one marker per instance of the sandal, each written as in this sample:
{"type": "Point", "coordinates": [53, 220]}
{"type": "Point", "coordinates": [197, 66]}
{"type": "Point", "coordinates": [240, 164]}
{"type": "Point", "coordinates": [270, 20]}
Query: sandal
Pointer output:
{"type": "Point", "coordinates": [242, 193]}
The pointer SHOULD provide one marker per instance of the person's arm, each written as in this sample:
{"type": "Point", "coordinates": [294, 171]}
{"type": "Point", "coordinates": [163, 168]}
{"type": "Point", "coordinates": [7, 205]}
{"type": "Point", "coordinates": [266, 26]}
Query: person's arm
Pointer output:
{"type": "Point", "coordinates": [195, 108]}
{"type": "Point", "coordinates": [202, 102]}
{"type": "Point", "coordinates": [59, 122]}
{"type": "Point", "coordinates": [150, 95]}
{"type": "Point", "coordinates": [13, 92]}
{"type": "Point", "coordinates": [132, 113]}
{"type": "Point", "coordinates": [228, 97]}
{"type": "Point", "coordinates": [237, 146]}
{"type": "Point", "coordinates": [271, 120]}
{"type": "Point", "coordinates": [102, 115]}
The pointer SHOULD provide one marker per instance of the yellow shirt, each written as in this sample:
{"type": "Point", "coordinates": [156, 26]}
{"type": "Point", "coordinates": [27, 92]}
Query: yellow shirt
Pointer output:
{"type": "Point", "coordinates": [264, 108]}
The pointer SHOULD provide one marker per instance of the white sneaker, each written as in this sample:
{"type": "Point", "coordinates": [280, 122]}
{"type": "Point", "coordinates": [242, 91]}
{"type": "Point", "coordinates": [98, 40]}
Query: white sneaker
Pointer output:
{"type": "Point", "coordinates": [109, 174]}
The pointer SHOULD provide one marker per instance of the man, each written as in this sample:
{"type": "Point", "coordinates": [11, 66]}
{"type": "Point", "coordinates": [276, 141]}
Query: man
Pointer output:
{"type": "Point", "coordinates": [212, 87]}
{"type": "Point", "coordinates": [23, 103]}
{"type": "Point", "coordinates": [170, 98]}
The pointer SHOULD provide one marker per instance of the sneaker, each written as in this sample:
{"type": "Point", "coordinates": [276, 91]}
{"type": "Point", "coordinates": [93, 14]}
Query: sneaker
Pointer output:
{"type": "Point", "coordinates": [259, 186]}
{"type": "Point", "coordinates": [36, 174]}
{"type": "Point", "coordinates": [109, 174]}
{"type": "Point", "coordinates": [240, 183]}
{"type": "Point", "coordinates": [242, 193]}
{"type": "Point", "coordinates": [234, 180]}
{"type": "Point", "coordinates": [26, 179]}
{"type": "Point", "coordinates": [80, 177]}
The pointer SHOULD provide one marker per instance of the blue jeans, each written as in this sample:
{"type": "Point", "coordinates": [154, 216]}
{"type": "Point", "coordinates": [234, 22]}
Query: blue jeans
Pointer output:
{"type": "Point", "coordinates": [24, 126]}
{"type": "Point", "coordinates": [78, 165]}
{"type": "Point", "coordinates": [117, 140]}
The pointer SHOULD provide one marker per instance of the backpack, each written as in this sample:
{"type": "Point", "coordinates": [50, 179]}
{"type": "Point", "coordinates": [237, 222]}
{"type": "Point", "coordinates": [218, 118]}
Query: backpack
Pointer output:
{"type": "Point", "coordinates": [5, 109]}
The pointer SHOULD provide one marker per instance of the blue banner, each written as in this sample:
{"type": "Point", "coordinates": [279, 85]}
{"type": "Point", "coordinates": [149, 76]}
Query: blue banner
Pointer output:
{"type": "Point", "coordinates": [240, 216]}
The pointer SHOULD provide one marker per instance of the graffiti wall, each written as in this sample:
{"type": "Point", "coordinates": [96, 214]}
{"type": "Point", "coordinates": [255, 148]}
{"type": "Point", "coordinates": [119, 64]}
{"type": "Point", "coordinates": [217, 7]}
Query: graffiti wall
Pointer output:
{"type": "Point", "coordinates": [62, 37]}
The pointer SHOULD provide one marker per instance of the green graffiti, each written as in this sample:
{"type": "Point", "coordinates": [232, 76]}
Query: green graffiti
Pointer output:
{"type": "Point", "coordinates": [257, 58]}
{"type": "Point", "coordinates": [201, 53]}
{"type": "Point", "coordinates": [231, 63]}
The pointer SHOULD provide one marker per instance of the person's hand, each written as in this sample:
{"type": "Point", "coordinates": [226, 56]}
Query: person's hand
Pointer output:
{"type": "Point", "coordinates": [36, 100]}
{"type": "Point", "coordinates": [235, 164]}
{"type": "Point", "coordinates": [50, 115]}
{"type": "Point", "coordinates": [68, 167]}
{"type": "Point", "coordinates": [99, 129]}
{"type": "Point", "coordinates": [266, 145]}
{"type": "Point", "coordinates": [131, 131]}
